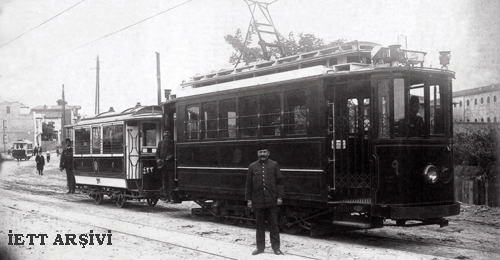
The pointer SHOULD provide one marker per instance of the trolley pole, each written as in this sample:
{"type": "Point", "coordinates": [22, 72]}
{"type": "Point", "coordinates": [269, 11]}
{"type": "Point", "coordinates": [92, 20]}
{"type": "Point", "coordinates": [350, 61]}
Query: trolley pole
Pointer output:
{"type": "Point", "coordinates": [158, 78]}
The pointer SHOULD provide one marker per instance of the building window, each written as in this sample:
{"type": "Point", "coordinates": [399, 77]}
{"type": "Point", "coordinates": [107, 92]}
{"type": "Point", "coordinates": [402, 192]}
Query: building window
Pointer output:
{"type": "Point", "coordinates": [468, 102]}
{"type": "Point", "coordinates": [460, 103]}
{"type": "Point", "coordinates": [482, 100]}
{"type": "Point", "coordinates": [482, 120]}
{"type": "Point", "coordinates": [475, 101]}
{"type": "Point", "coordinates": [475, 120]}
{"type": "Point", "coordinates": [495, 119]}
{"type": "Point", "coordinates": [494, 98]}
{"type": "Point", "coordinates": [489, 120]}
{"type": "Point", "coordinates": [8, 109]}
{"type": "Point", "coordinates": [488, 100]}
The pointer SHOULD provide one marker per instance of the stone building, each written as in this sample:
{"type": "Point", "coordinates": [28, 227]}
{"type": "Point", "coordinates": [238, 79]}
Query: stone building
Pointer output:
{"type": "Point", "coordinates": [17, 123]}
{"type": "Point", "coordinates": [51, 116]}
{"type": "Point", "coordinates": [477, 105]}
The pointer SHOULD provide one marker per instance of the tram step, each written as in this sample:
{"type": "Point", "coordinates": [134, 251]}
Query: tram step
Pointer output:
{"type": "Point", "coordinates": [353, 224]}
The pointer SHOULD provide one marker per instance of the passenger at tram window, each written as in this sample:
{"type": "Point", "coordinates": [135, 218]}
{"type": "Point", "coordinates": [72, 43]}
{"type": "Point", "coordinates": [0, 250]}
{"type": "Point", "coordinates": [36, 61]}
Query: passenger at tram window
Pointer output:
{"type": "Point", "coordinates": [416, 123]}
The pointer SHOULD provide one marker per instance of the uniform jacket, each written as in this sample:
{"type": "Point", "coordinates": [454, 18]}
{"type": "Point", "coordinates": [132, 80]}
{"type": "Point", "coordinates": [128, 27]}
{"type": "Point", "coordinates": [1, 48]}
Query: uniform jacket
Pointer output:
{"type": "Point", "coordinates": [67, 159]}
{"type": "Point", "coordinates": [165, 150]}
{"type": "Point", "coordinates": [40, 162]}
{"type": "Point", "coordinates": [264, 184]}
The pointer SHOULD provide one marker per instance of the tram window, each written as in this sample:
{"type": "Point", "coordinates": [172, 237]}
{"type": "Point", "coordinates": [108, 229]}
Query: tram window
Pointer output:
{"type": "Point", "coordinates": [383, 108]}
{"type": "Point", "coordinates": [112, 138]}
{"type": "Point", "coordinates": [96, 140]}
{"type": "Point", "coordinates": [415, 122]}
{"type": "Point", "coordinates": [270, 111]}
{"type": "Point", "coordinates": [436, 115]}
{"type": "Point", "coordinates": [399, 107]}
{"type": "Point", "coordinates": [192, 123]}
{"type": "Point", "coordinates": [82, 141]}
{"type": "Point", "coordinates": [296, 113]}
{"type": "Point", "coordinates": [227, 118]}
{"type": "Point", "coordinates": [149, 134]}
{"type": "Point", "coordinates": [209, 120]}
{"type": "Point", "coordinates": [248, 118]}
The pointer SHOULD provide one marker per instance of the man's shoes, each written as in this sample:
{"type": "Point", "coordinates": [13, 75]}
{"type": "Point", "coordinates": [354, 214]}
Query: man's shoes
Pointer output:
{"type": "Point", "coordinates": [277, 252]}
{"type": "Point", "coordinates": [257, 251]}
{"type": "Point", "coordinates": [69, 192]}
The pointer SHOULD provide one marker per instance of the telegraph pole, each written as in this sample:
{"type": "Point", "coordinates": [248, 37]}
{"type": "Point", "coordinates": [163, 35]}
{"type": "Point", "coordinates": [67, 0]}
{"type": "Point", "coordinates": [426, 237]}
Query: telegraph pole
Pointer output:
{"type": "Point", "coordinates": [158, 78]}
{"type": "Point", "coordinates": [97, 88]}
{"type": "Point", "coordinates": [63, 121]}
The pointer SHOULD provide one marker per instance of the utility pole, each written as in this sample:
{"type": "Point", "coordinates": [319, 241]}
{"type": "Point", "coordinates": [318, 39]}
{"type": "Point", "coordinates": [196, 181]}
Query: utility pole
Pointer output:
{"type": "Point", "coordinates": [97, 88]}
{"type": "Point", "coordinates": [63, 121]}
{"type": "Point", "coordinates": [158, 78]}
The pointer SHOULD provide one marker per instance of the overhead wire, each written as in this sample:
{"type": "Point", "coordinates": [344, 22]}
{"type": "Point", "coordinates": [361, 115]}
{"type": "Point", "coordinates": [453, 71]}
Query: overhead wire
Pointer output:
{"type": "Point", "coordinates": [134, 24]}
{"type": "Point", "coordinates": [41, 24]}
{"type": "Point", "coordinates": [81, 46]}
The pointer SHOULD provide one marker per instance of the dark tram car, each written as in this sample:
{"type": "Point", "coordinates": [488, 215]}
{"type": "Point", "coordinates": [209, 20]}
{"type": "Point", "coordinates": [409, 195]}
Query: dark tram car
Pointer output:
{"type": "Point", "coordinates": [114, 155]}
{"type": "Point", "coordinates": [22, 149]}
{"type": "Point", "coordinates": [362, 133]}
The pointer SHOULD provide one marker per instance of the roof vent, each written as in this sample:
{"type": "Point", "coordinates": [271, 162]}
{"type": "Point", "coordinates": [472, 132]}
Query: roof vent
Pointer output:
{"type": "Point", "coordinates": [138, 104]}
{"type": "Point", "coordinates": [111, 109]}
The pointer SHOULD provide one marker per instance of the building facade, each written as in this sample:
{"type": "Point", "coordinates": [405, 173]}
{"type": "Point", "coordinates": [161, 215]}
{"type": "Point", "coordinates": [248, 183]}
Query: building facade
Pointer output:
{"type": "Point", "coordinates": [477, 105]}
{"type": "Point", "coordinates": [51, 117]}
{"type": "Point", "coordinates": [17, 123]}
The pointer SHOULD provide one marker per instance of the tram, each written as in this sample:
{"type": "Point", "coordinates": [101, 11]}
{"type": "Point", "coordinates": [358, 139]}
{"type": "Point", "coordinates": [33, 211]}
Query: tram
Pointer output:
{"type": "Point", "coordinates": [114, 155]}
{"type": "Point", "coordinates": [22, 149]}
{"type": "Point", "coordinates": [338, 121]}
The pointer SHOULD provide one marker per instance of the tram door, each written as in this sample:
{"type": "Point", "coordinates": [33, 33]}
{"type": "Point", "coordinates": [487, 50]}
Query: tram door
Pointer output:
{"type": "Point", "coordinates": [132, 151]}
{"type": "Point", "coordinates": [349, 128]}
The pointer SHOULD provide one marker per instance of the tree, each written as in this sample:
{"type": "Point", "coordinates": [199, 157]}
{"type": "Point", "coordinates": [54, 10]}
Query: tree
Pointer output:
{"type": "Point", "coordinates": [47, 131]}
{"type": "Point", "coordinates": [305, 42]}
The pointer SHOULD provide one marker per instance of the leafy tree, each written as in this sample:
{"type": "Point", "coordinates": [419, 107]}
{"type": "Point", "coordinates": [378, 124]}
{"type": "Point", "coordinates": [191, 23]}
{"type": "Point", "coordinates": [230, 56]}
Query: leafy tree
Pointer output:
{"type": "Point", "coordinates": [47, 131]}
{"type": "Point", "coordinates": [292, 45]}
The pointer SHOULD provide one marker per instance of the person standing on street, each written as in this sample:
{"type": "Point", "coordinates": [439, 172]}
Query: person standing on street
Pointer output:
{"type": "Point", "coordinates": [40, 162]}
{"type": "Point", "coordinates": [264, 192]}
{"type": "Point", "coordinates": [67, 163]}
{"type": "Point", "coordinates": [165, 163]}
{"type": "Point", "coordinates": [48, 157]}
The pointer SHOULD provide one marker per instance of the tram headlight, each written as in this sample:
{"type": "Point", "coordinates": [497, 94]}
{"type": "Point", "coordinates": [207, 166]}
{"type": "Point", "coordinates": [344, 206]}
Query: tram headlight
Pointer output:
{"type": "Point", "coordinates": [431, 174]}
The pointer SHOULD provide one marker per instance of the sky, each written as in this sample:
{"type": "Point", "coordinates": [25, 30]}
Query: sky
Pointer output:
{"type": "Point", "coordinates": [47, 44]}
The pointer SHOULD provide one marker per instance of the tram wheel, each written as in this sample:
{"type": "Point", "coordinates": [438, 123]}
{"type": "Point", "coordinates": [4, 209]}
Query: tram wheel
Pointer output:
{"type": "Point", "coordinates": [121, 201]}
{"type": "Point", "coordinates": [98, 198]}
{"type": "Point", "coordinates": [152, 201]}
{"type": "Point", "coordinates": [289, 228]}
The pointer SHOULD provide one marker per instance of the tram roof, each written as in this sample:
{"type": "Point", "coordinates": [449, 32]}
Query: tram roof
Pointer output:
{"type": "Point", "coordinates": [22, 141]}
{"type": "Point", "coordinates": [335, 60]}
{"type": "Point", "coordinates": [134, 113]}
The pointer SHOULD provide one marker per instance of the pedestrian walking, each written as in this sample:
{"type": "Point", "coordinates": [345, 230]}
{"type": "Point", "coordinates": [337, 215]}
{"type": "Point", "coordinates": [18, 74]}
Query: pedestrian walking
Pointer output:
{"type": "Point", "coordinates": [264, 192]}
{"type": "Point", "coordinates": [48, 156]}
{"type": "Point", "coordinates": [40, 162]}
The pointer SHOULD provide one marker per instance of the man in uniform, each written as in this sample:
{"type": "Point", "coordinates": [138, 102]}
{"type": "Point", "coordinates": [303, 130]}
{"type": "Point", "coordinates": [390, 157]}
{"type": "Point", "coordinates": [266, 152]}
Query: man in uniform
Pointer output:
{"type": "Point", "coordinates": [264, 192]}
{"type": "Point", "coordinates": [67, 163]}
{"type": "Point", "coordinates": [165, 162]}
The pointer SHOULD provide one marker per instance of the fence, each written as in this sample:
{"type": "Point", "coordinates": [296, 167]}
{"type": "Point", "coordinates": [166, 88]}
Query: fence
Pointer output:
{"type": "Point", "coordinates": [476, 191]}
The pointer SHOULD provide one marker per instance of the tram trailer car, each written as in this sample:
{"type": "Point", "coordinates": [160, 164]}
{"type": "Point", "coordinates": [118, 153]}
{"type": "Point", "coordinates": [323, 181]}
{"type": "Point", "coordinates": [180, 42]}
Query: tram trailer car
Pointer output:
{"type": "Point", "coordinates": [338, 123]}
{"type": "Point", "coordinates": [22, 149]}
{"type": "Point", "coordinates": [114, 155]}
